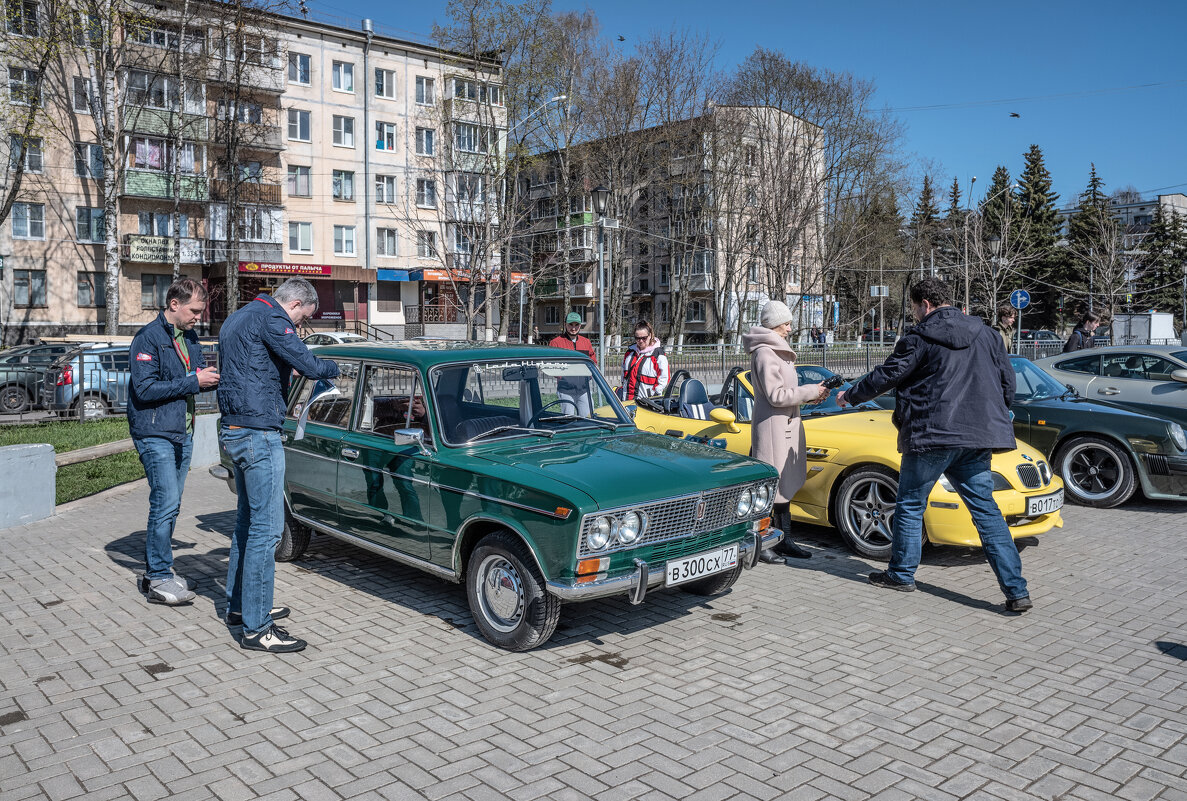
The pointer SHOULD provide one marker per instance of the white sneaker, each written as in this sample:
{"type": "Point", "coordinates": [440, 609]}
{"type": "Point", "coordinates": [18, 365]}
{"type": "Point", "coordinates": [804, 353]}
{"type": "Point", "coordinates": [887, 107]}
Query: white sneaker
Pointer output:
{"type": "Point", "coordinates": [170, 592]}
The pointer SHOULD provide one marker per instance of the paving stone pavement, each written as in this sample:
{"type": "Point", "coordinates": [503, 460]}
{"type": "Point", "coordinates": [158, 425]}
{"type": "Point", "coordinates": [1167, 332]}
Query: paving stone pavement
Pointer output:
{"type": "Point", "coordinates": [802, 683]}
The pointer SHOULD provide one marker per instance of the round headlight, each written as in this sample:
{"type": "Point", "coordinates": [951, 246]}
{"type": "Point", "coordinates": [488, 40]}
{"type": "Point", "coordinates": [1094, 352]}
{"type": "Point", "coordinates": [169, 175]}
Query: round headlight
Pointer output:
{"type": "Point", "coordinates": [762, 497]}
{"type": "Point", "coordinates": [745, 503]}
{"type": "Point", "coordinates": [1177, 436]}
{"type": "Point", "coordinates": [599, 535]}
{"type": "Point", "coordinates": [630, 527]}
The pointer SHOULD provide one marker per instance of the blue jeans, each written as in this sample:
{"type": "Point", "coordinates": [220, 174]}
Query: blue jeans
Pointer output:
{"type": "Point", "coordinates": [166, 464]}
{"type": "Point", "coordinates": [258, 459]}
{"type": "Point", "coordinates": [969, 473]}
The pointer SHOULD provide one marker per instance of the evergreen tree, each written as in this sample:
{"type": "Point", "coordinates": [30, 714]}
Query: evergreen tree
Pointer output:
{"type": "Point", "coordinates": [954, 210]}
{"type": "Point", "coordinates": [925, 225]}
{"type": "Point", "coordinates": [1037, 231]}
{"type": "Point", "coordinates": [1160, 274]}
{"type": "Point", "coordinates": [1094, 247]}
{"type": "Point", "coordinates": [998, 207]}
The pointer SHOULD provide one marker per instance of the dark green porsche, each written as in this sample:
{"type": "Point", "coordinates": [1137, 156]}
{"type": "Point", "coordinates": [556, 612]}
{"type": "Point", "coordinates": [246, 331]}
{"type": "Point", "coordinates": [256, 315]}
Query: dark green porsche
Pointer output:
{"type": "Point", "coordinates": [515, 471]}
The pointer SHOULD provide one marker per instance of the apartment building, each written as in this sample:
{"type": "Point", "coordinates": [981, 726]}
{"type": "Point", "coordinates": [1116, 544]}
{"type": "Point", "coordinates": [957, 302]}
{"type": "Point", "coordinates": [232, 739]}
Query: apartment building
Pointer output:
{"type": "Point", "coordinates": [296, 149]}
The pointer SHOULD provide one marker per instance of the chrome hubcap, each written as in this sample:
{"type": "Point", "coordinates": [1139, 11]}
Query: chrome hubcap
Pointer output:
{"type": "Point", "coordinates": [501, 593]}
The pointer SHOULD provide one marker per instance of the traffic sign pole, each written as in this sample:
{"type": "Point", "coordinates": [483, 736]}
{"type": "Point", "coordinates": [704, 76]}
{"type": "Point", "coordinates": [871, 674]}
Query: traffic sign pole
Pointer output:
{"type": "Point", "coordinates": [1019, 299]}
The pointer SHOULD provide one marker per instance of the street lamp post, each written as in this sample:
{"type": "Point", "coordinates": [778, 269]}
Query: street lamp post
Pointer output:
{"type": "Point", "coordinates": [968, 205]}
{"type": "Point", "coordinates": [601, 198]}
{"type": "Point", "coordinates": [995, 246]}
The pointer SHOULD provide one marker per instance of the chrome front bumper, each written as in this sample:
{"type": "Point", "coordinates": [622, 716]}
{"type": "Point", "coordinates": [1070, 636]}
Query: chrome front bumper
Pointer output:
{"type": "Point", "coordinates": [636, 584]}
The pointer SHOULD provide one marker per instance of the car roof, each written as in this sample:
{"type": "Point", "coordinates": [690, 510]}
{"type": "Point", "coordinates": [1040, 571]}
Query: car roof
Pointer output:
{"type": "Point", "coordinates": [428, 353]}
{"type": "Point", "coordinates": [1105, 350]}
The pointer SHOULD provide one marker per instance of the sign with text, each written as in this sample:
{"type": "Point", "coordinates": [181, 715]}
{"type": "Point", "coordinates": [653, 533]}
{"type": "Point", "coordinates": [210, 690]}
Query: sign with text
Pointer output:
{"type": "Point", "coordinates": [879, 291]}
{"type": "Point", "coordinates": [274, 268]}
{"type": "Point", "coordinates": [159, 250]}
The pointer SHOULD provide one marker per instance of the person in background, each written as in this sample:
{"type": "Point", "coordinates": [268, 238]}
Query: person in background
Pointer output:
{"type": "Point", "coordinates": [954, 388]}
{"type": "Point", "coordinates": [573, 390]}
{"type": "Point", "coordinates": [1005, 325]}
{"type": "Point", "coordinates": [777, 436]}
{"type": "Point", "coordinates": [167, 372]}
{"type": "Point", "coordinates": [260, 349]}
{"type": "Point", "coordinates": [1081, 337]}
{"type": "Point", "coordinates": [645, 366]}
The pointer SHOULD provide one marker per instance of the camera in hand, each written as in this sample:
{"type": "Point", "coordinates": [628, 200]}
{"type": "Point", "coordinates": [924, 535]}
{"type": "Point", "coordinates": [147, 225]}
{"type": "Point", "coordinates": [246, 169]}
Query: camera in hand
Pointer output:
{"type": "Point", "coordinates": [832, 382]}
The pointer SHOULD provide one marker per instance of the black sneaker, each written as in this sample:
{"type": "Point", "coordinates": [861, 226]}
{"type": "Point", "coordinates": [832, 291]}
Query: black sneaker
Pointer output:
{"type": "Point", "coordinates": [1019, 604]}
{"type": "Point", "coordinates": [274, 640]}
{"type": "Point", "coordinates": [277, 613]}
{"type": "Point", "coordinates": [880, 579]}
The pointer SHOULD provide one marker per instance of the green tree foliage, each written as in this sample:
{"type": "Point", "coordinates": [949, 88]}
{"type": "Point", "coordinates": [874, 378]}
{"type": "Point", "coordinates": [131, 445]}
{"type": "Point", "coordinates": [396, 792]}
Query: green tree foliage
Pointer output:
{"type": "Point", "coordinates": [1038, 230]}
{"type": "Point", "coordinates": [1160, 273]}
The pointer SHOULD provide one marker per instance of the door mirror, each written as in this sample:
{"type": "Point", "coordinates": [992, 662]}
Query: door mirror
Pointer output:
{"type": "Point", "coordinates": [322, 390]}
{"type": "Point", "coordinates": [411, 436]}
{"type": "Point", "coordinates": [1179, 375]}
{"type": "Point", "coordinates": [726, 418]}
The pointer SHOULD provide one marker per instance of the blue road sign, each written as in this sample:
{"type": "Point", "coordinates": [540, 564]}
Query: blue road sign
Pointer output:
{"type": "Point", "coordinates": [1019, 298]}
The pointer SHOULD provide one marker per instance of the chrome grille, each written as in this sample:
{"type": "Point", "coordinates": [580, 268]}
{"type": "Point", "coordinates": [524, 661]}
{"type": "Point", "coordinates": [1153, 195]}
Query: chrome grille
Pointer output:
{"type": "Point", "coordinates": [1045, 473]}
{"type": "Point", "coordinates": [674, 518]}
{"type": "Point", "coordinates": [1030, 476]}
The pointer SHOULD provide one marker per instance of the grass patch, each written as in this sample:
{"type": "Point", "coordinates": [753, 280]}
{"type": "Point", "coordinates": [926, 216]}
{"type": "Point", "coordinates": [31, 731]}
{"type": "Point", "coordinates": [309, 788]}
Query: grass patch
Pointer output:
{"type": "Point", "coordinates": [86, 478]}
{"type": "Point", "coordinates": [66, 435]}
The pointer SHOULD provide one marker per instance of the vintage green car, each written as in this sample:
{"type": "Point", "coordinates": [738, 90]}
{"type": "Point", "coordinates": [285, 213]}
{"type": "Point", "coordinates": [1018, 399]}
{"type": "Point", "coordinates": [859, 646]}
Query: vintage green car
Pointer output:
{"type": "Point", "coordinates": [516, 471]}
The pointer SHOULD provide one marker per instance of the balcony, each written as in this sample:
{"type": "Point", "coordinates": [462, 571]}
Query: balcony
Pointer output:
{"type": "Point", "coordinates": [269, 76]}
{"type": "Point", "coordinates": [252, 136]}
{"type": "Point", "coordinates": [264, 194]}
{"type": "Point", "coordinates": [271, 252]}
{"type": "Point", "coordinates": [538, 191]}
{"type": "Point", "coordinates": [693, 283]}
{"type": "Point", "coordinates": [585, 290]}
{"type": "Point", "coordinates": [158, 184]}
{"type": "Point", "coordinates": [194, 127]}
{"type": "Point", "coordinates": [159, 249]}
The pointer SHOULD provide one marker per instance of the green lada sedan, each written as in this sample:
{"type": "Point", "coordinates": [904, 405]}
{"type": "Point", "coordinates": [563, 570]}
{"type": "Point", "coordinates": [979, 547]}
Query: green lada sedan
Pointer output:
{"type": "Point", "coordinates": [515, 471]}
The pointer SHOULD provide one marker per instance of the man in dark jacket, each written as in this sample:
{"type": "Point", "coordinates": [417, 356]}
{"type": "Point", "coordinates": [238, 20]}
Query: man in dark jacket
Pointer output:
{"type": "Point", "coordinates": [259, 349]}
{"type": "Point", "coordinates": [167, 371]}
{"type": "Point", "coordinates": [572, 391]}
{"type": "Point", "coordinates": [954, 388]}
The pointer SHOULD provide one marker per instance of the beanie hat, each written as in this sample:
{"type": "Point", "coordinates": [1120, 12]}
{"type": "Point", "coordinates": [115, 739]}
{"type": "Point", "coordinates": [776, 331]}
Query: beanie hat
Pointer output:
{"type": "Point", "coordinates": [775, 314]}
{"type": "Point", "coordinates": [573, 317]}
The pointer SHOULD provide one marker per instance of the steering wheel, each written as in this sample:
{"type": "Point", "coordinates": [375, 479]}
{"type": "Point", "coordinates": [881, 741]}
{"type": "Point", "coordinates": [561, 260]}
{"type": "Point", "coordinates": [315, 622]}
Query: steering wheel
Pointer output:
{"type": "Point", "coordinates": [559, 401]}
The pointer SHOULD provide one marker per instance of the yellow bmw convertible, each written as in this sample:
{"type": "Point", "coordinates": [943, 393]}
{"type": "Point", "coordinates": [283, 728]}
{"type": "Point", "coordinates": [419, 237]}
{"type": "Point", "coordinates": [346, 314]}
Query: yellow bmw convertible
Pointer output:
{"type": "Point", "coordinates": [853, 464]}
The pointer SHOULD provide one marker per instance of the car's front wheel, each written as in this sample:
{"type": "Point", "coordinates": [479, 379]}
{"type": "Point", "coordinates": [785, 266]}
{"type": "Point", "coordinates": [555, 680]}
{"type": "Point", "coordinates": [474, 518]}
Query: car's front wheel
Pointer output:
{"type": "Point", "coordinates": [1095, 472]}
{"type": "Point", "coordinates": [14, 399]}
{"type": "Point", "coordinates": [507, 596]}
{"type": "Point", "coordinates": [864, 510]}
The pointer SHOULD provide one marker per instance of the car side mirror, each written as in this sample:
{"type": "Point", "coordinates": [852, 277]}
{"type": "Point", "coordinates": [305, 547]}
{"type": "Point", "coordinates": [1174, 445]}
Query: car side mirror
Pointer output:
{"type": "Point", "coordinates": [726, 418]}
{"type": "Point", "coordinates": [411, 436]}
{"type": "Point", "coordinates": [1179, 375]}
{"type": "Point", "coordinates": [321, 390]}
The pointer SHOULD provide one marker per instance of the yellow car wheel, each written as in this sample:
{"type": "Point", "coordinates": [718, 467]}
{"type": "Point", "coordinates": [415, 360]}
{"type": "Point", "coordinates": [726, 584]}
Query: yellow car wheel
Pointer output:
{"type": "Point", "coordinates": [864, 510]}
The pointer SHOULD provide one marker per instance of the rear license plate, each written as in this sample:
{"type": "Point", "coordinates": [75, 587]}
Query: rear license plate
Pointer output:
{"type": "Point", "coordinates": [703, 564]}
{"type": "Point", "coordinates": [1044, 504]}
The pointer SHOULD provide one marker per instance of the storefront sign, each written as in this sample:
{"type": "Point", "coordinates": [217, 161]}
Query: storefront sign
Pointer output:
{"type": "Point", "coordinates": [270, 268]}
{"type": "Point", "coordinates": [328, 315]}
{"type": "Point", "coordinates": [159, 250]}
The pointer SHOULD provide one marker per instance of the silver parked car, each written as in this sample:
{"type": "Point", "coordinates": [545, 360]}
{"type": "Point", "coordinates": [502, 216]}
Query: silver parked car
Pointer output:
{"type": "Point", "coordinates": [333, 338]}
{"type": "Point", "coordinates": [1151, 379]}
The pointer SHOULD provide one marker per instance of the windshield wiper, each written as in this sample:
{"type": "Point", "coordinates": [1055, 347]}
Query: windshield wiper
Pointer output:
{"type": "Point", "coordinates": [517, 429]}
{"type": "Point", "coordinates": [568, 418]}
{"type": "Point", "coordinates": [1068, 389]}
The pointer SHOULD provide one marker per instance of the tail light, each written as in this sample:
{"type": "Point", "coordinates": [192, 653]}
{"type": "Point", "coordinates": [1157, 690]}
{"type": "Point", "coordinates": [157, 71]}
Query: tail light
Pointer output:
{"type": "Point", "coordinates": [67, 376]}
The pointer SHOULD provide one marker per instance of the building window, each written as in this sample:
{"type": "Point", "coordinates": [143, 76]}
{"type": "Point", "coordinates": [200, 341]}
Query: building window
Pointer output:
{"type": "Point", "coordinates": [28, 221]}
{"type": "Point", "coordinates": [425, 93]}
{"type": "Point", "coordinates": [343, 185]}
{"type": "Point", "coordinates": [385, 83]}
{"type": "Point", "coordinates": [426, 142]}
{"type": "Point", "coordinates": [751, 156]}
{"type": "Point", "coordinates": [153, 289]}
{"type": "Point", "coordinates": [33, 158]}
{"type": "Point", "coordinates": [299, 68]}
{"type": "Point", "coordinates": [426, 193]}
{"type": "Point", "coordinates": [161, 224]}
{"type": "Point", "coordinates": [22, 17]}
{"type": "Point", "coordinates": [152, 91]}
{"type": "Point", "coordinates": [343, 240]}
{"type": "Point", "coordinates": [385, 189]}
{"type": "Point", "coordinates": [385, 242]}
{"type": "Point", "coordinates": [343, 79]}
{"type": "Point", "coordinates": [92, 290]}
{"type": "Point", "coordinates": [300, 181]}
{"type": "Point", "coordinates": [665, 312]}
{"type": "Point", "coordinates": [300, 237]}
{"type": "Point", "coordinates": [344, 131]}
{"type": "Point", "coordinates": [23, 86]}
{"type": "Point", "coordinates": [471, 138]}
{"type": "Point", "coordinates": [385, 136]}
{"type": "Point", "coordinates": [298, 125]}
{"type": "Point", "coordinates": [470, 188]}
{"type": "Point", "coordinates": [148, 34]}
{"type": "Point", "coordinates": [463, 240]}
{"type": "Point", "coordinates": [752, 273]}
{"type": "Point", "coordinates": [426, 244]}
{"type": "Point", "coordinates": [89, 224]}
{"type": "Point", "coordinates": [466, 89]}
{"type": "Point", "coordinates": [149, 153]}
{"type": "Point", "coordinates": [28, 287]}
{"type": "Point", "coordinates": [695, 313]}
{"type": "Point", "coordinates": [81, 94]}
{"type": "Point", "coordinates": [664, 275]}
{"type": "Point", "coordinates": [552, 315]}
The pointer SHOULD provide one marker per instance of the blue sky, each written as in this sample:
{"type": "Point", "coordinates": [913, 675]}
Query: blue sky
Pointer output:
{"type": "Point", "coordinates": [1092, 81]}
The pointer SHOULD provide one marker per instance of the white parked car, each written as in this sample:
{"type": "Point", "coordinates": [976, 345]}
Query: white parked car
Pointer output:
{"type": "Point", "coordinates": [1151, 379]}
{"type": "Point", "coordinates": [333, 338]}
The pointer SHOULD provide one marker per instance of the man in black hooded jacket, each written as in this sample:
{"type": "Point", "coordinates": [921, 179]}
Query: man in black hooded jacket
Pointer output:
{"type": "Point", "coordinates": [954, 385]}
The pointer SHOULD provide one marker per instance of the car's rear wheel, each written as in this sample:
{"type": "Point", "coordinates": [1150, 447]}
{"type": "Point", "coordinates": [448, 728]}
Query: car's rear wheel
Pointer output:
{"type": "Point", "coordinates": [293, 540]}
{"type": "Point", "coordinates": [14, 399]}
{"type": "Point", "coordinates": [1095, 472]}
{"type": "Point", "coordinates": [864, 510]}
{"type": "Point", "coordinates": [507, 596]}
{"type": "Point", "coordinates": [90, 407]}
{"type": "Point", "coordinates": [715, 584]}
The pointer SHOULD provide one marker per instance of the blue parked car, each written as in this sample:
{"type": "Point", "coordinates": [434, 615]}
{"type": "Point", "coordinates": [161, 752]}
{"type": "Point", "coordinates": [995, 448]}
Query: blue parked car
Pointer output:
{"type": "Point", "coordinates": [88, 382]}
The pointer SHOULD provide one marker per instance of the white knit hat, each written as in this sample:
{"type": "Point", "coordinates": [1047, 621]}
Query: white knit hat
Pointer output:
{"type": "Point", "coordinates": [775, 314]}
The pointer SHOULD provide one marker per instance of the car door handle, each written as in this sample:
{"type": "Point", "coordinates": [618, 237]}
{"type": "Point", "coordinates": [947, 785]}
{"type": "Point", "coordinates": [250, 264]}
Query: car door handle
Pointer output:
{"type": "Point", "coordinates": [350, 453]}
{"type": "Point", "coordinates": [1108, 391]}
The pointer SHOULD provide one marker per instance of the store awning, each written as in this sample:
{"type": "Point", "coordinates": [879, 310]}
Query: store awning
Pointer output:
{"type": "Point", "coordinates": [394, 275]}
{"type": "Point", "coordinates": [460, 276]}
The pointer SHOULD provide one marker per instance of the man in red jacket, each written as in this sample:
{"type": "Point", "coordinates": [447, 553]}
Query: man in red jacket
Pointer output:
{"type": "Point", "coordinates": [574, 392]}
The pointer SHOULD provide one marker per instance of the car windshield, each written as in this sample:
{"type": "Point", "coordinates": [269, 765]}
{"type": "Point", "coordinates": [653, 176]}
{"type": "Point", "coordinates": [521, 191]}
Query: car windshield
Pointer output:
{"type": "Point", "coordinates": [522, 398]}
{"type": "Point", "coordinates": [1032, 382]}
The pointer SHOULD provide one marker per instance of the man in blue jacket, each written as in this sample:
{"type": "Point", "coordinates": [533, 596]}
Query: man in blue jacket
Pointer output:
{"type": "Point", "coordinates": [167, 372]}
{"type": "Point", "coordinates": [954, 388]}
{"type": "Point", "coordinates": [258, 349]}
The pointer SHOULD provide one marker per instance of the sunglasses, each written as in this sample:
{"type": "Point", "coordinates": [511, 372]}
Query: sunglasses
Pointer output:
{"type": "Point", "coordinates": [642, 339]}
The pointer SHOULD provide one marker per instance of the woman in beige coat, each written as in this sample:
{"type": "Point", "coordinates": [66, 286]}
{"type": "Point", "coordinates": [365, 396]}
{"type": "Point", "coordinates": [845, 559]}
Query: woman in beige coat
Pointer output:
{"type": "Point", "coordinates": [777, 437]}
